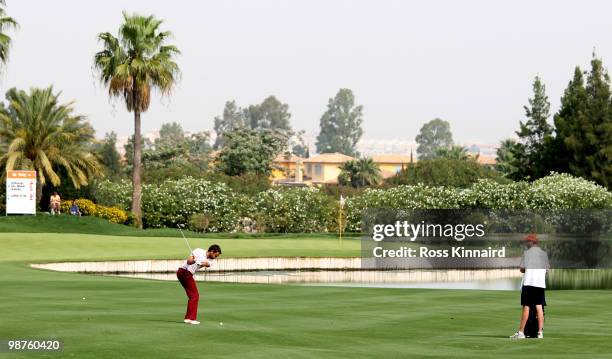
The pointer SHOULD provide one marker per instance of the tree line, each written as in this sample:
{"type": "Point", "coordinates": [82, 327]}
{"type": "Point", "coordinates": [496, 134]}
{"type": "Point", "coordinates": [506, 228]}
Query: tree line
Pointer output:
{"type": "Point", "coordinates": [340, 124]}
{"type": "Point", "coordinates": [579, 140]}
{"type": "Point", "coordinates": [38, 132]}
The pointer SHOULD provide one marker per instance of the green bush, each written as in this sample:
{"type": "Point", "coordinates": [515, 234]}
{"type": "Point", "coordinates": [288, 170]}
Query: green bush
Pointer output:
{"type": "Point", "coordinates": [248, 184]}
{"type": "Point", "coordinates": [335, 190]}
{"type": "Point", "coordinates": [444, 172]}
{"type": "Point", "coordinates": [2, 198]}
{"type": "Point", "coordinates": [162, 170]}
{"type": "Point", "coordinates": [294, 210]}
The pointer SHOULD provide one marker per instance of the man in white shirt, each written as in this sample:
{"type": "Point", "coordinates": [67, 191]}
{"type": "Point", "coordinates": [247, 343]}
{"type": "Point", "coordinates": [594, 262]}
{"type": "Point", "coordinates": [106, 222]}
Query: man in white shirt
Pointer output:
{"type": "Point", "coordinates": [534, 265]}
{"type": "Point", "coordinates": [197, 259]}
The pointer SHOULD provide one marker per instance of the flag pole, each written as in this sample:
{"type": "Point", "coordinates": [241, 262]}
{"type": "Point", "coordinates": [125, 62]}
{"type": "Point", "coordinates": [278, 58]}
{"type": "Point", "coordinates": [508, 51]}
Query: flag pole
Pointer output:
{"type": "Point", "coordinates": [340, 224]}
{"type": "Point", "coordinates": [341, 202]}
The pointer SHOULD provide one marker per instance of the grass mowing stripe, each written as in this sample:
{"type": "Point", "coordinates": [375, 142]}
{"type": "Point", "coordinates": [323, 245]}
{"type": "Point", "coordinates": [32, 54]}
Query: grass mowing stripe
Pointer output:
{"type": "Point", "coordinates": [76, 247]}
{"type": "Point", "coordinates": [45, 223]}
{"type": "Point", "coordinates": [137, 318]}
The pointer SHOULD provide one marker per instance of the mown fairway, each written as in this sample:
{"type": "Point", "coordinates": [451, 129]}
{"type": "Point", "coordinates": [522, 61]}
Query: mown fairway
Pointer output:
{"type": "Point", "coordinates": [133, 318]}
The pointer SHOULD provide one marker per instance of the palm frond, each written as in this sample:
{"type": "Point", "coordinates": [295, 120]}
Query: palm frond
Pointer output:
{"type": "Point", "coordinates": [137, 61]}
{"type": "Point", "coordinates": [39, 133]}
{"type": "Point", "coordinates": [6, 23]}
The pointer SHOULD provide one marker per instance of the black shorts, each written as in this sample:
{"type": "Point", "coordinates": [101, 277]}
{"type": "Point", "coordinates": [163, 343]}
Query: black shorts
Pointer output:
{"type": "Point", "coordinates": [532, 296]}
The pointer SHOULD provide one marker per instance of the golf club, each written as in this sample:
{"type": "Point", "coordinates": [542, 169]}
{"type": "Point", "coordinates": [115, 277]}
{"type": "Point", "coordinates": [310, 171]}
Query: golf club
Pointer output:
{"type": "Point", "coordinates": [185, 238]}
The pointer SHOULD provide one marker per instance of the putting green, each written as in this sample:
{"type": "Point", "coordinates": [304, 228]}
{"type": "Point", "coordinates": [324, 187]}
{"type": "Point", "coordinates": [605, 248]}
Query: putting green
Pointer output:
{"type": "Point", "coordinates": [139, 318]}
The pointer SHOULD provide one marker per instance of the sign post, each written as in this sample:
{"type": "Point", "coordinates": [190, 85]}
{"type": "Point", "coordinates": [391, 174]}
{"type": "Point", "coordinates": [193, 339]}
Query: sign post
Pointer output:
{"type": "Point", "coordinates": [21, 192]}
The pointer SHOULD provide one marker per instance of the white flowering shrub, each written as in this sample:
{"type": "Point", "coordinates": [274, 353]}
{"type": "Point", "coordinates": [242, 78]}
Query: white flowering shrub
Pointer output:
{"type": "Point", "coordinates": [117, 194]}
{"type": "Point", "coordinates": [557, 191]}
{"type": "Point", "coordinates": [404, 197]}
{"type": "Point", "coordinates": [298, 210]}
{"type": "Point", "coordinates": [562, 191]}
{"type": "Point", "coordinates": [175, 201]}
{"type": "Point", "coordinates": [304, 209]}
{"type": "Point", "coordinates": [486, 193]}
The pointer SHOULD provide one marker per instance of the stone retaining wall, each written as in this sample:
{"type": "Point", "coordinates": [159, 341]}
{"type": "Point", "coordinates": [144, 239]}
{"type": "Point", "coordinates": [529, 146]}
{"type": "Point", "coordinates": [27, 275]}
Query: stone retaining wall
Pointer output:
{"type": "Point", "coordinates": [267, 264]}
{"type": "Point", "coordinates": [222, 265]}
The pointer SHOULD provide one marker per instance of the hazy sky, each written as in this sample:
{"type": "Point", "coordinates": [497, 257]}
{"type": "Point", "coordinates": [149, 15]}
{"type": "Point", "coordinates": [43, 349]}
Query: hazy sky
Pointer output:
{"type": "Point", "coordinates": [468, 62]}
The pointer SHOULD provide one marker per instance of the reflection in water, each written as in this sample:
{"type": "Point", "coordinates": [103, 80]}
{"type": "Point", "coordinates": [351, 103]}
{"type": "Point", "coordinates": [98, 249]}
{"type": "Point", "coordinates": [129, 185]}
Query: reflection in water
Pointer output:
{"type": "Point", "coordinates": [490, 279]}
{"type": "Point", "coordinates": [579, 279]}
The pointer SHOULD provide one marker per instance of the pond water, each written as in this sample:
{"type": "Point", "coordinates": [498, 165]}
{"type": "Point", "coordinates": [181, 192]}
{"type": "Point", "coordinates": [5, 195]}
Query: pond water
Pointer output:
{"type": "Point", "coordinates": [494, 279]}
{"type": "Point", "coordinates": [483, 279]}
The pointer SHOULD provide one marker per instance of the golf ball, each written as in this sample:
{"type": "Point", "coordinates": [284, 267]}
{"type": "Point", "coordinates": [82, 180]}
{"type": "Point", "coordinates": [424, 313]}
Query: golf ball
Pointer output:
{"type": "Point", "coordinates": [221, 323]}
{"type": "Point", "coordinates": [83, 298]}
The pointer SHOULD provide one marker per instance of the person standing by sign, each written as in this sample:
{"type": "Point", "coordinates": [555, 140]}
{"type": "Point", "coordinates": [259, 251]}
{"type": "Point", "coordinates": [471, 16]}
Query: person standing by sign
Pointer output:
{"type": "Point", "coordinates": [55, 203]}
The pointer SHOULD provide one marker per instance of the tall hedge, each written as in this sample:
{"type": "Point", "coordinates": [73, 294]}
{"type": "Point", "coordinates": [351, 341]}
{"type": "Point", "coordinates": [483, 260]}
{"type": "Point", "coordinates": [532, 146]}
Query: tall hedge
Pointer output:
{"type": "Point", "coordinates": [297, 210]}
{"type": "Point", "coordinates": [311, 210]}
{"type": "Point", "coordinates": [557, 191]}
{"type": "Point", "coordinates": [175, 201]}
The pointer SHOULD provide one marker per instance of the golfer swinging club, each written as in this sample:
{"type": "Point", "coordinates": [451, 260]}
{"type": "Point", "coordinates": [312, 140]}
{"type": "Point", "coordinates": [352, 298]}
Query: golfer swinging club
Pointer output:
{"type": "Point", "coordinates": [196, 260]}
{"type": "Point", "coordinates": [534, 265]}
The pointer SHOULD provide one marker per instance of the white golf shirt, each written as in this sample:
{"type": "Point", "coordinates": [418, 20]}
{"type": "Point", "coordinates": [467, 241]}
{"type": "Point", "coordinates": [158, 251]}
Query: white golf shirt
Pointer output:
{"type": "Point", "coordinates": [535, 262]}
{"type": "Point", "coordinates": [200, 259]}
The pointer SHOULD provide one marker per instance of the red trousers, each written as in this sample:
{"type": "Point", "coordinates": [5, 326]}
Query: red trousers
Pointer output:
{"type": "Point", "coordinates": [186, 278]}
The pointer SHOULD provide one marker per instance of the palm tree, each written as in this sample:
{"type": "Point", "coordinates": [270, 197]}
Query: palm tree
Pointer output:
{"type": "Point", "coordinates": [347, 174]}
{"type": "Point", "coordinates": [360, 173]}
{"type": "Point", "coordinates": [455, 152]}
{"type": "Point", "coordinates": [368, 172]}
{"type": "Point", "coordinates": [506, 158]}
{"type": "Point", "coordinates": [131, 65]}
{"type": "Point", "coordinates": [38, 133]}
{"type": "Point", "coordinates": [6, 23]}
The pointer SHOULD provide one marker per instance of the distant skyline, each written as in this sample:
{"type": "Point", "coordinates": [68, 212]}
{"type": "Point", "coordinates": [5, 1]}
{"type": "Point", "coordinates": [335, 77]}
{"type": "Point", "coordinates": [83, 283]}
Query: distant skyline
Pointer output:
{"type": "Point", "coordinates": [471, 63]}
